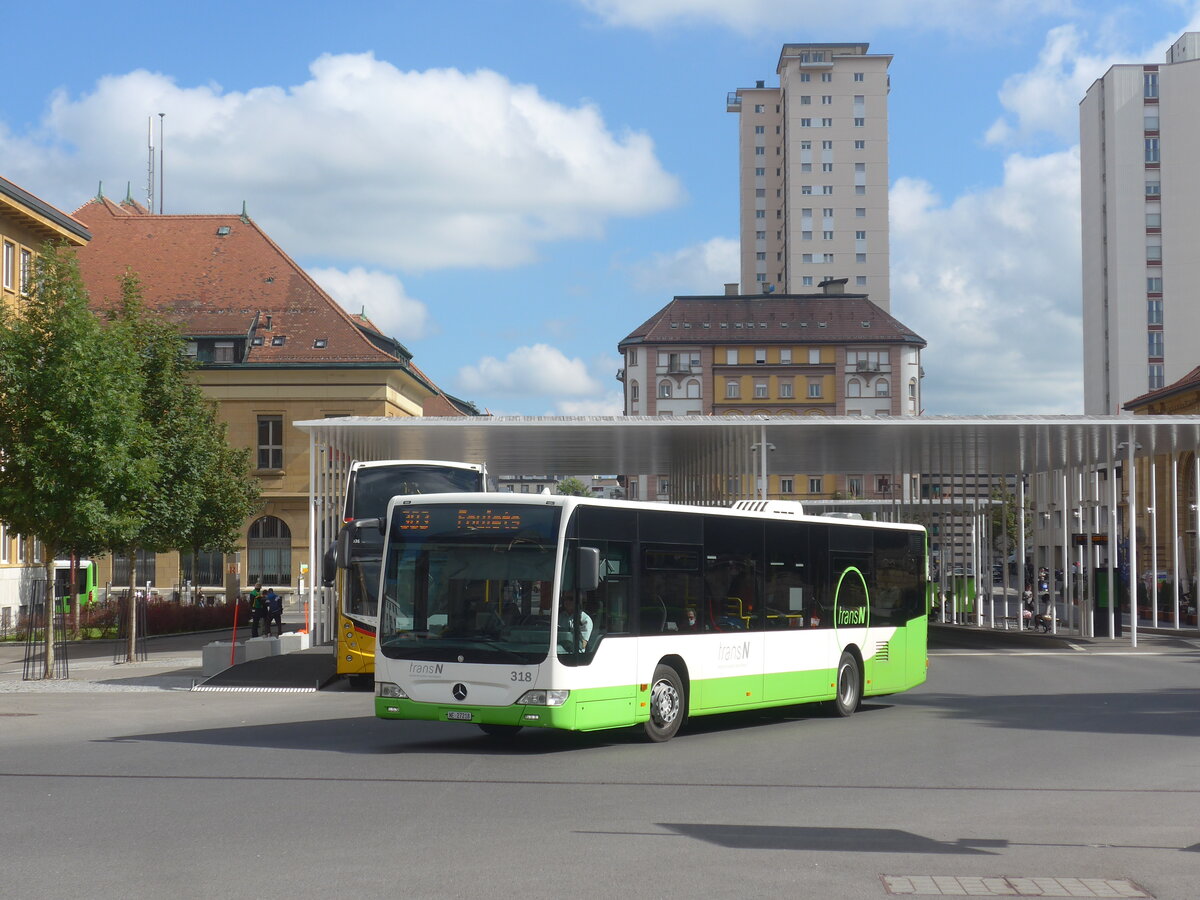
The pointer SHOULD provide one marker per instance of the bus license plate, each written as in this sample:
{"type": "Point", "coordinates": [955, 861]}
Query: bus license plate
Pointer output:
{"type": "Point", "coordinates": [459, 714]}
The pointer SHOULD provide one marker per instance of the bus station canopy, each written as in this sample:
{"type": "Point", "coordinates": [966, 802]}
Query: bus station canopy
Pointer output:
{"type": "Point", "coordinates": [811, 444]}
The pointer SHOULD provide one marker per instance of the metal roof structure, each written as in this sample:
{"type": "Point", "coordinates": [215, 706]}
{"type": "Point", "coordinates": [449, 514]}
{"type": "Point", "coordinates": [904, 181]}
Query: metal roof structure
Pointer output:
{"type": "Point", "coordinates": [644, 444]}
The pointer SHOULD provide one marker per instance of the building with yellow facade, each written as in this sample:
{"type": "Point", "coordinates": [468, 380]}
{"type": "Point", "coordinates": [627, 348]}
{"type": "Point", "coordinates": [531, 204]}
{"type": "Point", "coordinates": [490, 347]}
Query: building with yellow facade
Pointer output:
{"type": "Point", "coordinates": [272, 348]}
{"type": "Point", "coordinates": [26, 223]}
{"type": "Point", "coordinates": [826, 354]}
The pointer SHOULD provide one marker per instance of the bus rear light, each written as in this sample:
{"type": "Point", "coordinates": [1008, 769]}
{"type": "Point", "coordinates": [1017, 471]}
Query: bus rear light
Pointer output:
{"type": "Point", "coordinates": [393, 691]}
{"type": "Point", "coordinates": [544, 698]}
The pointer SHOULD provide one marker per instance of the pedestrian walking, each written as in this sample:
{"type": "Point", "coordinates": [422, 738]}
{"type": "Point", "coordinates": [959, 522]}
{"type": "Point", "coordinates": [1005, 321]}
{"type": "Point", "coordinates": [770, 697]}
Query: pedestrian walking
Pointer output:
{"type": "Point", "coordinates": [274, 612]}
{"type": "Point", "coordinates": [258, 609]}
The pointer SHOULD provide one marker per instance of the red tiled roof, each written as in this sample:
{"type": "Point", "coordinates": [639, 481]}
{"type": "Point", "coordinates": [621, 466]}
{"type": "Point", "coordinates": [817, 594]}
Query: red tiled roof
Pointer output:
{"type": "Point", "coordinates": [216, 276]}
{"type": "Point", "coordinates": [775, 318]}
{"type": "Point", "coordinates": [1190, 381]}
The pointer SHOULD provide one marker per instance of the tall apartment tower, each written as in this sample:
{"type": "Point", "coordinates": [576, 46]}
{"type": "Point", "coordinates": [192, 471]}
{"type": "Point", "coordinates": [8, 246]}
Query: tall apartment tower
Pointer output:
{"type": "Point", "coordinates": [1139, 148]}
{"type": "Point", "coordinates": [813, 178]}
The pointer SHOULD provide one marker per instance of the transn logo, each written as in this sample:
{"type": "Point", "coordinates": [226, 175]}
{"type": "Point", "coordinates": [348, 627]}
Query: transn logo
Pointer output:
{"type": "Point", "coordinates": [852, 616]}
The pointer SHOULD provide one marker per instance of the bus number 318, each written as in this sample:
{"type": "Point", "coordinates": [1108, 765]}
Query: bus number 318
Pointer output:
{"type": "Point", "coordinates": [520, 676]}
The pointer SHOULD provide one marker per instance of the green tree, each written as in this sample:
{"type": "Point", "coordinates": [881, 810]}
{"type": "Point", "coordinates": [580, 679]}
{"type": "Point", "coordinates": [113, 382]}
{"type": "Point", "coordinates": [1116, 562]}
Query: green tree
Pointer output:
{"type": "Point", "coordinates": [201, 490]}
{"type": "Point", "coordinates": [69, 422]}
{"type": "Point", "coordinates": [574, 487]}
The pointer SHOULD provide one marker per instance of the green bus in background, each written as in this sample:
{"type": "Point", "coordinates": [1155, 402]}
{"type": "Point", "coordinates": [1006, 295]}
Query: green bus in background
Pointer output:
{"type": "Point", "coordinates": [84, 589]}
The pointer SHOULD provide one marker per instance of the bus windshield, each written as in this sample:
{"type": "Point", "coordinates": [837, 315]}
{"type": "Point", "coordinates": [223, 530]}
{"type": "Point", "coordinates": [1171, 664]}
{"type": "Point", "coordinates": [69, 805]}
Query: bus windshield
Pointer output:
{"type": "Point", "coordinates": [469, 583]}
{"type": "Point", "coordinates": [373, 486]}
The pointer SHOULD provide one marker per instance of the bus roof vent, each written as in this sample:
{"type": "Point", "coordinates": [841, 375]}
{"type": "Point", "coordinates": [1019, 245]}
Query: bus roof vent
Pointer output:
{"type": "Point", "coordinates": [842, 515]}
{"type": "Point", "coordinates": [775, 507]}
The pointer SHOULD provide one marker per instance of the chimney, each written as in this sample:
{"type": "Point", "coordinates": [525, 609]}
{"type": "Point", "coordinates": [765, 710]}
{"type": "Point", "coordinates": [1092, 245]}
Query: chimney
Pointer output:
{"type": "Point", "coordinates": [834, 285]}
{"type": "Point", "coordinates": [731, 289]}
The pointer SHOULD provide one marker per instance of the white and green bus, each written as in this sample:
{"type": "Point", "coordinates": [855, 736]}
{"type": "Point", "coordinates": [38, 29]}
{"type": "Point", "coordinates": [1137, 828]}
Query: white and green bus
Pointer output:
{"type": "Point", "coordinates": [563, 612]}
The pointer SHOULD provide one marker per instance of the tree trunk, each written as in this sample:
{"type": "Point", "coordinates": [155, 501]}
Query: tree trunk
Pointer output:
{"type": "Point", "coordinates": [48, 605]}
{"type": "Point", "coordinates": [131, 647]}
{"type": "Point", "coordinates": [72, 605]}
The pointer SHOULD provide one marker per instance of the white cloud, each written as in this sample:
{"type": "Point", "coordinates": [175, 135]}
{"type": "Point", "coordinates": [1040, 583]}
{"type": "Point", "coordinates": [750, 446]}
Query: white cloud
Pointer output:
{"type": "Point", "coordinates": [699, 269]}
{"type": "Point", "coordinates": [538, 370]}
{"type": "Point", "coordinates": [981, 16]}
{"type": "Point", "coordinates": [412, 170]}
{"type": "Point", "coordinates": [992, 282]}
{"type": "Point", "coordinates": [611, 404]}
{"type": "Point", "coordinates": [381, 296]}
{"type": "Point", "coordinates": [1045, 100]}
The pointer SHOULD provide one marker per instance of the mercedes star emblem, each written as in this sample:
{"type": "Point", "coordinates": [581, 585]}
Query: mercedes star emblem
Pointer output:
{"type": "Point", "coordinates": [459, 691]}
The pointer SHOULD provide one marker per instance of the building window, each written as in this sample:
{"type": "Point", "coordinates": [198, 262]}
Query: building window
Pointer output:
{"type": "Point", "coordinates": [858, 76]}
{"type": "Point", "coordinates": [1150, 119]}
{"type": "Point", "coordinates": [760, 390]}
{"type": "Point", "coordinates": [269, 552]}
{"type": "Point", "coordinates": [860, 235]}
{"type": "Point", "coordinates": [785, 486]}
{"type": "Point", "coordinates": [760, 214]}
{"type": "Point", "coordinates": [785, 390]}
{"type": "Point", "coordinates": [209, 568]}
{"type": "Point", "coordinates": [860, 257]}
{"type": "Point", "coordinates": [827, 189]}
{"type": "Point", "coordinates": [761, 277]}
{"type": "Point", "coordinates": [854, 388]}
{"type": "Point", "coordinates": [633, 356]}
{"type": "Point", "coordinates": [806, 189]}
{"type": "Point", "coordinates": [1153, 284]}
{"type": "Point", "coordinates": [826, 167]}
{"type": "Point", "coordinates": [1154, 249]}
{"type": "Point", "coordinates": [805, 99]}
{"type": "Point", "coordinates": [633, 490]}
{"type": "Point", "coordinates": [806, 280]}
{"type": "Point", "coordinates": [1152, 187]}
{"type": "Point", "coordinates": [144, 569]}
{"type": "Point", "coordinates": [1151, 150]}
{"type": "Point", "coordinates": [731, 357]}
{"type": "Point", "coordinates": [693, 389]}
{"type": "Point", "coordinates": [1155, 344]}
{"type": "Point", "coordinates": [733, 389]}
{"type": "Point", "coordinates": [860, 212]}
{"type": "Point", "coordinates": [760, 151]}
{"type": "Point", "coordinates": [270, 442]}
{"type": "Point", "coordinates": [1150, 84]}
{"type": "Point", "coordinates": [805, 76]}
{"type": "Point", "coordinates": [859, 122]}
{"type": "Point", "coordinates": [814, 389]}
{"type": "Point", "coordinates": [860, 280]}
{"type": "Point", "coordinates": [827, 123]}
{"type": "Point", "coordinates": [882, 388]}
{"type": "Point", "coordinates": [860, 145]}
{"type": "Point", "coordinates": [759, 129]}
{"type": "Point", "coordinates": [26, 270]}
{"type": "Point", "coordinates": [827, 77]}
{"type": "Point", "coordinates": [806, 123]}
{"type": "Point", "coordinates": [1156, 377]}
{"type": "Point", "coordinates": [1153, 220]}
{"type": "Point", "coordinates": [883, 484]}
{"type": "Point", "coordinates": [760, 235]}
{"type": "Point", "coordinates": [10, 261]}
{"type": "Point", "coordinates": [760, 356]}
{"type": "Point", "coordinates": [827, 235]}
{"type": "Point", "coordinates": [814, 485]}
{"type": "Point", "coordinates": [785, 356]}
{"type": "Point", "coordinates": [827, 100]}
{"type": "Point", "coordinates": [664, 390]}
{"type": "Point", "coordinates": [854, 485]}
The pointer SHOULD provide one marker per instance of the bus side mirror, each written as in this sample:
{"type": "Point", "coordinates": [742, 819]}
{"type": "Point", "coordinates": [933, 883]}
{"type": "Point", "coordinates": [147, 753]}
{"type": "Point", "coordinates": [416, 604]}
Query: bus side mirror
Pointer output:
{"type": "Point", "coordinates": [589, 568]}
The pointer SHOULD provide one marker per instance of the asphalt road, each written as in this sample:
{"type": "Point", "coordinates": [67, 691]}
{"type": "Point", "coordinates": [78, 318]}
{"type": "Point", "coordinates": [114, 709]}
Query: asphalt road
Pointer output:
{"type": "Point", "coordinates": [1032, 759]}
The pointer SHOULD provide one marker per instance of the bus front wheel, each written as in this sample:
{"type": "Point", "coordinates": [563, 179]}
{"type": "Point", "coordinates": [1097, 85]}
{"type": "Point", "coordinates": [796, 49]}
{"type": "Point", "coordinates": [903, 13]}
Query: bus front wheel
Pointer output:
{"type": "Point", "coordinates": [849, 686]}
{"type": "Point", "coordinates": [667, 710]}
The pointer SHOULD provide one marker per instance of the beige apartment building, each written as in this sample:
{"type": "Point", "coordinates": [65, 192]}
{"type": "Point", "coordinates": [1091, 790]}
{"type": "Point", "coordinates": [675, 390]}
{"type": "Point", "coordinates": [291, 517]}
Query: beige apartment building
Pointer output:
{"type": "Point", "coordinates": [813, 172]}
{"type": "Point", "coordinates": [273, 349]}
{"type": "Point", "coordinates": [1140, 188]}
{"type": "Point", "coordinates": [26, 223]}
{"type": "Point", "coordinates": [822, 354]}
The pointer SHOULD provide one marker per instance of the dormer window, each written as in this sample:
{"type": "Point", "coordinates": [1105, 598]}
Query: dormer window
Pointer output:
{"type": "Point", "coordinates": [222, 230]}
{"type": "Point", "coordinates": [257, 341]}
{"type": "Point", "coordinates": [320, 343]}
{"type": "Point", "coordinates": [277, 340]}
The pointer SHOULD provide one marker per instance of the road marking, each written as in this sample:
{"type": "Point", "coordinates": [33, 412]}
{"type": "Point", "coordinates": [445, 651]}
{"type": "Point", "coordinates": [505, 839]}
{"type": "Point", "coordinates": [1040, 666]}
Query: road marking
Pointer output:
{"type": "Point", "coordinates": [1010, 886]}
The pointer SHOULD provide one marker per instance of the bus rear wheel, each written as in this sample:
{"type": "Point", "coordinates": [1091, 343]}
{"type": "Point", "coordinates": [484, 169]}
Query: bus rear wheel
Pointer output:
{"type": "Point", "coordinates": [667, 710]}
{"type": "Point", "coordinates": [849, 686]}
{"type": "Point", "coordinates": [500, 731]}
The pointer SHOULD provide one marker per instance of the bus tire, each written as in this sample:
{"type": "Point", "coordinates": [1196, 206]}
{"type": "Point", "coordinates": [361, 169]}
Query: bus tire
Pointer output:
{"type": "Point", "coordinates": [849, 686]}
{"type": "Point", "coordinates": [668, 704]}
{"type": "Point", "coordinates": [499, 731]}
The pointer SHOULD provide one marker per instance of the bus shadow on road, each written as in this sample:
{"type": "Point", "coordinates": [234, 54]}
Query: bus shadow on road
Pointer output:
{"type": "Point", "coordinates": [827, 839]}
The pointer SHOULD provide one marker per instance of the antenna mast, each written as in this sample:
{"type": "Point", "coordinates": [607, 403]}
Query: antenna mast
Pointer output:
{"type": "Point", "coordinates": [150, 164]}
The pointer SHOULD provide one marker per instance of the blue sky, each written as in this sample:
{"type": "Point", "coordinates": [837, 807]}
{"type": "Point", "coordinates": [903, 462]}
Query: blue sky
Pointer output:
{"type": "Point", "coordinates": [512, 186]}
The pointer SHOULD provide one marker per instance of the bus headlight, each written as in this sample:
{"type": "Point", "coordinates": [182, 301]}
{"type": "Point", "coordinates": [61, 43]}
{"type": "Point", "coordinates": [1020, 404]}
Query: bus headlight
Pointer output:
{"type": "Point", "coordinates": [387, 689]}
{"type": "Point", "coordinates": [544, 698]}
